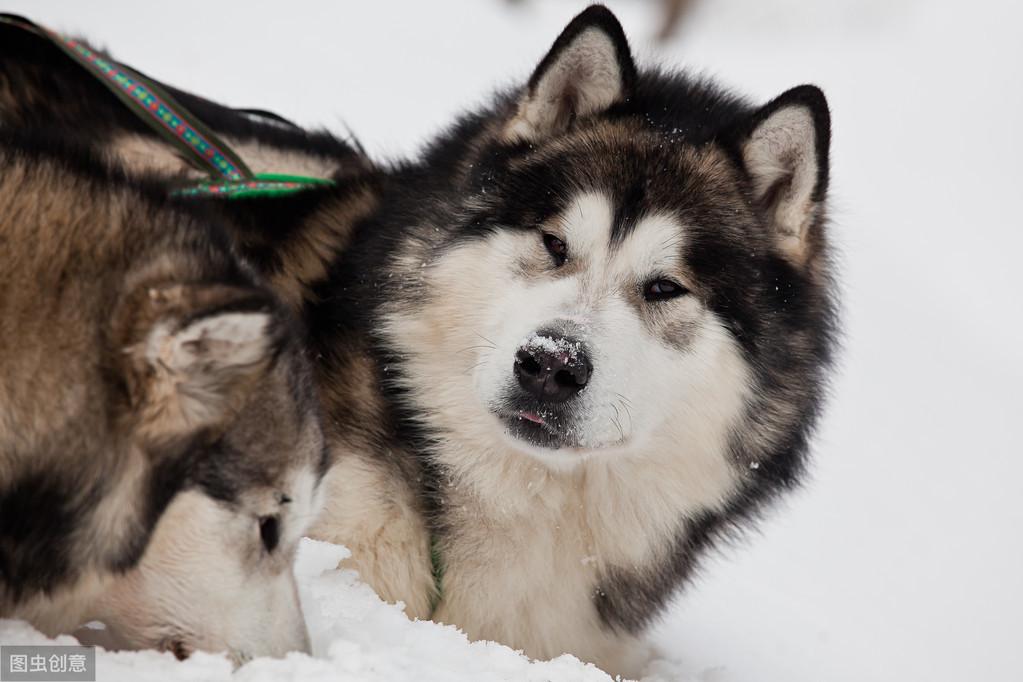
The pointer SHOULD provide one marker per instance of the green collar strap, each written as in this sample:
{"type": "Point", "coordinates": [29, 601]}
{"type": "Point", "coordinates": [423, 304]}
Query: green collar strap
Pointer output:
{"type": "Point", "coordinates": [261, 185]}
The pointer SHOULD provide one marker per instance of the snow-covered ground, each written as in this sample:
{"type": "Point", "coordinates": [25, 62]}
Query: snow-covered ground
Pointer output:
{"type": "Point", "coordinates": [902, 559]}
{"type": "Point", "coordinates": [355, 638]}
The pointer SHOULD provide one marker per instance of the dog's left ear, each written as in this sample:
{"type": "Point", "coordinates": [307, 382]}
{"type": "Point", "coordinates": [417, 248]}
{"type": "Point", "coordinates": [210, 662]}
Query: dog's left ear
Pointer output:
{"type": "Point", "coordinates": [588, 69]}
{"type": "Point", "coordinates": [784, 149]}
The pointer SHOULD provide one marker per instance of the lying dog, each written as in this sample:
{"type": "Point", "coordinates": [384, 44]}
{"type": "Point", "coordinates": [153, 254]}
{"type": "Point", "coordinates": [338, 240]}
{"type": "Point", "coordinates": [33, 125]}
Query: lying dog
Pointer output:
{"type": "Point", "coordinates": [599, 317]}
{"type": "Point", "coordinates": [583, 336]}
{"type": "Point", "coordinates": [160, 447]}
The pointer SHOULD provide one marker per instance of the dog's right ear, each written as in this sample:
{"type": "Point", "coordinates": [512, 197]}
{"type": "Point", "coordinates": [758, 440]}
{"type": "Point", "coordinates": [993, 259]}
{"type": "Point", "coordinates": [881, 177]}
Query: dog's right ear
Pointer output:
{"type": "Point", "coordinates": [588, 69]}
{"type": "Point", "coordinates": [194, 352]}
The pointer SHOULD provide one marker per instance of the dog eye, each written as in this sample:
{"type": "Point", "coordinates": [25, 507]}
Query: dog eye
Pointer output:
{"type": "Point", "coordinates": [269, 532]}
{"type": "Point", "coordinates": [663, 289]}
{"type": "Point", "coordinates": [557, 248]}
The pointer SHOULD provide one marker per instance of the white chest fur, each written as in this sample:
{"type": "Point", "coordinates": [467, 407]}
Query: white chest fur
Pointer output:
{"type": "Point", "coordinates": [523, 567]}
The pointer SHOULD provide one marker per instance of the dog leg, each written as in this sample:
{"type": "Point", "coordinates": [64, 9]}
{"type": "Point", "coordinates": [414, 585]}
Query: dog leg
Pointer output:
{"type": "Point", "coordinates": [373, 513]}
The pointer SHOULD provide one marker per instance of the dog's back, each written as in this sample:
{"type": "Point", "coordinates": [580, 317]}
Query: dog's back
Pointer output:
{"type": "Point", "coordinates": [292, 240]}
{"type": "Point", "coordinates": [45, 91]}
{"type": "Point", "coordinates": [70, 243]}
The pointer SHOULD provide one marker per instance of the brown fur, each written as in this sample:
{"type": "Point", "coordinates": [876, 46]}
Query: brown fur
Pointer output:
{"type": "Point", "coordinates": [118, 392]}
{"type": "Point", "coordinates": [306, 258]}
{"type": "Point", "coordinates": [32, 70]}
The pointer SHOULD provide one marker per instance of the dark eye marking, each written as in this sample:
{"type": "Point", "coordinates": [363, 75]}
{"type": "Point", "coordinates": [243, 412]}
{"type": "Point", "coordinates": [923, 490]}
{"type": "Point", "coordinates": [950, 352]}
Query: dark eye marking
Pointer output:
{"type": "Point", "coordinates": [663, 289]}
{"type": "Point", "coordinates": [269, 532]}
{"type": "Point", "coordinates": [557, 248]}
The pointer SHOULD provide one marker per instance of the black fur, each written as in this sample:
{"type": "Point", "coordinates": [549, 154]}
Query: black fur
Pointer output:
{"type": "Point", "coordinates": [39, 515]}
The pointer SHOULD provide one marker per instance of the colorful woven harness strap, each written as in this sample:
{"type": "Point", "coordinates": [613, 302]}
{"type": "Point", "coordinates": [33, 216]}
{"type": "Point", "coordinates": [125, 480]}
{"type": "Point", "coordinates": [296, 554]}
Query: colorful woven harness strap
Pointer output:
{"type": "Point", "coordinates": [229, 177]}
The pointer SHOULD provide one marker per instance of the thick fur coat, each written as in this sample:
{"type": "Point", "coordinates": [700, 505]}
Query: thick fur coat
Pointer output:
{"type": "Point", "coordinates": [582, 337]}
{"type": "Point", "coordinates": [160, 442]}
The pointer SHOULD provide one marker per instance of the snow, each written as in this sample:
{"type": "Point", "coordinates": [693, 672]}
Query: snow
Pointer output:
{"type": "Point", "coordinates": [553, 345]}
{"type": "Point", "coordinates": [355, 638]}
{"type": "Point", "coordinates": [902, 557]}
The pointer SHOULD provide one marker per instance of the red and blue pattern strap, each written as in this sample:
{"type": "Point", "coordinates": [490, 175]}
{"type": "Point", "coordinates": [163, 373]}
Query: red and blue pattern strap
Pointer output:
{"type": "Point", "coordinates": [164, 114]}
{"type": "Point", "coordinates": [229, 176]}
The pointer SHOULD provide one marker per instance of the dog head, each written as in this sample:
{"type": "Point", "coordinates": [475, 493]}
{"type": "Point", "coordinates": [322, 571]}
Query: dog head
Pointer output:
{"type": "Point", "coordinates": [637, 266]}
{"type": "Point", "coordinates": [221, 407]}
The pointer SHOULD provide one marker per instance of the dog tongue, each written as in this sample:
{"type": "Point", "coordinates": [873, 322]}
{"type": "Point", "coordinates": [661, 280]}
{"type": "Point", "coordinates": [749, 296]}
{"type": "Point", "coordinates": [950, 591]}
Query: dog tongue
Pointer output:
{"type": "Point", "coordinates": [532, 416]}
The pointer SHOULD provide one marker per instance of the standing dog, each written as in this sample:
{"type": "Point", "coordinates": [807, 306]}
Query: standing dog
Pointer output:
{"type": "Point", "coordinates": [160, 448]}
{"type": "Point", "coordinates": [581, 338]}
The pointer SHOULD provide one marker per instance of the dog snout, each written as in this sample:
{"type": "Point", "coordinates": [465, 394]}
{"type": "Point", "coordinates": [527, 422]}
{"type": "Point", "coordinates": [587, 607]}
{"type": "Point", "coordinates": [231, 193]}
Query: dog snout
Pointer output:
{"type": "Point", "coordinates": [552, 367]}
{"type": "Point", "coordinates": [284, 630]}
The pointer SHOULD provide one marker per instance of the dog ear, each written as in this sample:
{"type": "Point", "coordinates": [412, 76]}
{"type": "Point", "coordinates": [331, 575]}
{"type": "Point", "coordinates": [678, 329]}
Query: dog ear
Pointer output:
{"type": "Point", "coordinates": [196, 352]}
{"type": "Point", "coordinates": [588, 69]}
{"type": "Point", "coordinates": [784, 150]}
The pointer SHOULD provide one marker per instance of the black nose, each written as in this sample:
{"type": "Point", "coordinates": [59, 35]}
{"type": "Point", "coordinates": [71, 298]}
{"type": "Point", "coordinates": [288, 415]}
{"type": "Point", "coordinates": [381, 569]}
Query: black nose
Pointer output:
{"type": "Point", "coordinates": [552, 368]}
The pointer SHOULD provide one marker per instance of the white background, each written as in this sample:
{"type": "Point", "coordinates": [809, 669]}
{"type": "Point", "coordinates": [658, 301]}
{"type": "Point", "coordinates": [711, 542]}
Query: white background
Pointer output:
{"type": "Point", "coordinates": [902, 558]}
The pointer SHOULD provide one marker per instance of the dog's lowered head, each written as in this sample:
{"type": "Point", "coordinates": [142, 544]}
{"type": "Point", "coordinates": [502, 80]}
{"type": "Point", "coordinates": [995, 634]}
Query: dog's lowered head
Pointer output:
{"type": "Point", "coordinates": [223, 400]}
{"type": "Point", "coordinates": [160, 443]}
